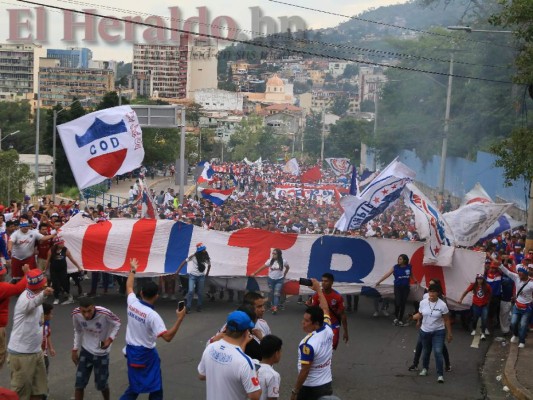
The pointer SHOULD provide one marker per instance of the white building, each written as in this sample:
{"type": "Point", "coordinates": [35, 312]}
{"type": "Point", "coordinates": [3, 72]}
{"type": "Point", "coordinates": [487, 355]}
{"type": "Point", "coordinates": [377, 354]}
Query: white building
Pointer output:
{"type": "Point", "coordinates": [202, 67]}
{"type": "Point", "coordinates": [19, 68]}
{"type": "Point", "coordinates": [219, 100]}
{"type": "Point", "coordinates": [370, 81]}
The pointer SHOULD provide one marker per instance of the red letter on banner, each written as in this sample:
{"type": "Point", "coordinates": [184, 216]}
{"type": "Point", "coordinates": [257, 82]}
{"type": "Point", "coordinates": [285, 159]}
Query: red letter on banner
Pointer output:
{"type": "Point", "coordinates": [426, 272]}
{"type": "Point", "coordinates": [260, 243]}
{"type": "Point", "coordinates": [95, 239]}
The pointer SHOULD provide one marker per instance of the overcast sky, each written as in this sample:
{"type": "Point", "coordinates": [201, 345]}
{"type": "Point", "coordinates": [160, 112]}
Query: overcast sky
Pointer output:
{"type": "Point", "coordinates": [55, 30]}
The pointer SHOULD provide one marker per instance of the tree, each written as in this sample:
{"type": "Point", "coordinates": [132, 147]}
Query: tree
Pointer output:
{"type": "Point", "coordinates": [367, 106]}
{"type": "Point", "coordinates": [340, 105]}
{"type": "Point", "coordinates": [253, 140]}
{"type": "Point", "coordinates": [346, 136]}
{"type": "Point", "coordinates": [193, 112]}
{"type": "Point", "coordinates": [109, 100]}
{"type": "Point", "coordinates": [350, 71]}
{"type": "Point", "coordinates": [14, 177]}
{"type": "Point", "coordinates": [313, 134]}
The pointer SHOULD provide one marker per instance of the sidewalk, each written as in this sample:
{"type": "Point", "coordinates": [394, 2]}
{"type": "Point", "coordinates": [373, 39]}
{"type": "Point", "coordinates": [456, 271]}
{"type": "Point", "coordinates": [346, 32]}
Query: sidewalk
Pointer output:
{"type": "Point", "coordinates": [517, 372]}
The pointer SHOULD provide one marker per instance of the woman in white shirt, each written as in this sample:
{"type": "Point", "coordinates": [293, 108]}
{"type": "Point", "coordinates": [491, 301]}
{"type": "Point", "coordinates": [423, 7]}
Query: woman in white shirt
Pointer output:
{"type": "Point", "coordinates": [276, 277]}
{"type": "Point", "coordinates": [435, 327]}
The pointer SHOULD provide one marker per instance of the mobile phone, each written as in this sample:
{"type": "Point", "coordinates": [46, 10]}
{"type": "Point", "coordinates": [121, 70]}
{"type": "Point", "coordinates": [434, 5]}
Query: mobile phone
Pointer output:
{"type": "Point", "coordinates": [181, 305]}
{"type": "Point", "coordinates": [306, 282]}
{"type": "Point", "coordinates": [102, 344]}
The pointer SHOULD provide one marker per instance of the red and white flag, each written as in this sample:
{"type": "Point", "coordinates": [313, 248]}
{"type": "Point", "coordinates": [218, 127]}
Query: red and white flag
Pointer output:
{"type": "Point", "coordinates": [102, 144]}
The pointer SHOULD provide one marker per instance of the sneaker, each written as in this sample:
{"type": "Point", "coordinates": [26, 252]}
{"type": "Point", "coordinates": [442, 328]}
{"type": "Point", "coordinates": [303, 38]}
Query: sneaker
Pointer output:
{"type": "Point", "coordinates": [376, 314]}
{"type": "Point", "coordinates": [514, 339]}
{"type": "Point", "coordinates": [400, 323]}
{"type": "Point", "coordinates": [483, 336]}
{"type": "Point", "coordinates": [473, 333]}
{"type": "Point", "coordinates": [413, 367]}
{"type": "Point", "coordinates": [440, 379]}
{"type": "Point", "coordinates": [385, 313]}
{"type": "Point", "coordinates": [521, 345]}
{"type": "Point", "coordinates": [448, 368]}
{"type": "Point", "coordinates": [69, 300]}
{"type": "Point", "coordinates": [424, 372]}
{"type": "Point", "coordinates": [395, 322]}
{"type": "Point", "coordinates": [56, 301]}
{"type": "Point", "coordinates": [487, 332]}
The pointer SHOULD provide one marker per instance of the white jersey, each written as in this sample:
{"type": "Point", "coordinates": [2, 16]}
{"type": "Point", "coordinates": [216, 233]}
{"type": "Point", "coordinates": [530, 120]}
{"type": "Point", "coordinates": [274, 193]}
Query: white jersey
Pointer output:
{"type": "Point", "coordinates": [145, 325]}
{"type": "Point", "coordinates": [275, 271]}
{"type": "Point", "coordinates": [262, 325]}
{"type": "Point", "coordinates": [432, 314]}
{"type": "Point", "coordinates": [89, 333]}
{"type": "Point", "coordinates": [526, 295]}
{"type": "Point", "coordinates": [28, 320]}
{"type": "Point", "coordinates": [230, 374]}
{"type": "Point", "coordinates": [24, 243]}
{"type": "Point", "coordinates": [317, 349]}
{"type": "Point", "coordinates": [270, 381]}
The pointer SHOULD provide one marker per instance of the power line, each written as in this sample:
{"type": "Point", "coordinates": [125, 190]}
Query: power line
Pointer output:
{"type": "Point", "coordinates": [283, 36]}
{"type": "Point", "coordinates": [391, 25]}
{"type": "Point", "coordinates": [269, 46]}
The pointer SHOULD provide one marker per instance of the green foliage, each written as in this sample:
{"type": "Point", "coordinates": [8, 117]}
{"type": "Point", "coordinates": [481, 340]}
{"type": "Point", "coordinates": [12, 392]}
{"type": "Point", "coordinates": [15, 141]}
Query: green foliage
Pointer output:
{"type": "Point", "coordinates": [350, 71]}
{"type": "Point", "coordinates": [345, 137]}
{"type": "Point", "coordinates": [253, 140]}
{"type": "Point", "coordinates": [313, 134]}
{"type": "Point", "coordinates": [15, 116]}
{"type": "Point", "coordinates": [193, 112]}
{"type": "Point", "coordinates": [14, 176]}
{"type": "Point", "coordinates": [109, 100]}
{"type": "Point", "coordinates": [367, 106]}
{"type": "Point", "coordinates": [514, 155]}
{"type": "Point", "coordinates": [340, 105]}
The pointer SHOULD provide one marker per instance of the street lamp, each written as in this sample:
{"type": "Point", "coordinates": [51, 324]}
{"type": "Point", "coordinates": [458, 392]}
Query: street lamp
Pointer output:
{"type": "Point", "coordinates": [8, 135]}
{"type": "Point", "coordinates": [54, 128]}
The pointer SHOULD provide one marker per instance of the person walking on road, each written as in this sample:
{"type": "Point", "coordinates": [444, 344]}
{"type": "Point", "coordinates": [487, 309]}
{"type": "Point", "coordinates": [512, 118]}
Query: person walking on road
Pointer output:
{"type": "Point", "coordinates": [436, 326]}
{"type": "Point", "coordinates": [95, 328]}
{"type": "Point", "coordinates": [26, 358]}
{"type": "Point", "coordinates": [201, 265]}
{"type": "Point", "coordinates": [56, 263]}
{"type": "Point", "coordinates": [145, 325]}
{"type": "Point", "coordinates": [481, 294]}
{"type": "Point", "coordinates": [277, 271]}
{"type": "Point", "coordinates": [403, 272]}
{"type": "Point", "coordinates": [523, 306]}
{"type": "Point", "coordinates": [315, 352]}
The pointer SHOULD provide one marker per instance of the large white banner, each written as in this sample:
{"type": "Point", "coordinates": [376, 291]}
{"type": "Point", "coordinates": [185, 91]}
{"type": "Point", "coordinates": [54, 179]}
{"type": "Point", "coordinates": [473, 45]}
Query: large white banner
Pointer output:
{"type": "Point", "coordinates": [102, 144]}
{"type": "Point", "coordinates": [315, 194]}
{"type": "Point", "coordinates": [161, 245]}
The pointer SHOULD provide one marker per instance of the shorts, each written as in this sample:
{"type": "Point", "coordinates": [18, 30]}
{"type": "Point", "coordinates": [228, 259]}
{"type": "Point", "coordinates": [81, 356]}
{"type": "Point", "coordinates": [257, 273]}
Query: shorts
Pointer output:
{"type": "Point", "coordinates": [28, 374]}
{"type": "Point", "coordinates": [315, 392]}
{"type": "Point", "coordinates": [16, 266]}
{"type": "Point", "coordinates": [87, 362]}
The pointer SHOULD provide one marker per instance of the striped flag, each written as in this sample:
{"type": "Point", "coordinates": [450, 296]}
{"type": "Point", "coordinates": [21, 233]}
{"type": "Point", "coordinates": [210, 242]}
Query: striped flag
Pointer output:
{"type": "Point", "coordinates": [215, 196]}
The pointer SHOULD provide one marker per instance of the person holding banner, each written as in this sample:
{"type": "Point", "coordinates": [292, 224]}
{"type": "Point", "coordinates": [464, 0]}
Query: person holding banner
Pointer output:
{"type": "Point", "coordinates": [403, 272]}
{"type": "Point", "coordinates": [276, 277]}
{"type": "Point", "coordinates": [197, 274]}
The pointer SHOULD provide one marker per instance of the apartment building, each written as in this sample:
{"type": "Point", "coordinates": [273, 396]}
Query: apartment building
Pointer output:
{"type": "Point", "coordinates": [19, 66]}
{"type": "Point", "coordinates": [72, 57]}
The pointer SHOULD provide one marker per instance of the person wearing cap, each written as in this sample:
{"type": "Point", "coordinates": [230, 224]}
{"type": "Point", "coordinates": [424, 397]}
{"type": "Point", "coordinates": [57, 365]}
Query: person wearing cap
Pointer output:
{"type": "Point", "coordinates": [229, 373]}
{"type": "Point", "coordinates": [481, 294]}
{"type": "Point", "coordinates": [199, 271]}
{"type": "Point", "coordinates": [315, 352]}
{"type": "Point", "coordinates": [7, 290]}
{"type": "Point", "coordinates": [523, 306]}
{"type": "Point", "coordinates": [145, 325]}
{"type": "Point", "coordinates": [21, 248]}
{"type": "Point", "coordinates": [56, 263]}
{"type": "Point", "coordinates": [26, 359]}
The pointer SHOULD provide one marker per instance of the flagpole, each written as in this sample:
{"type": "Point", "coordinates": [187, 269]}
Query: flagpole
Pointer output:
{"type": "Point", "coordinates": [182, 156]}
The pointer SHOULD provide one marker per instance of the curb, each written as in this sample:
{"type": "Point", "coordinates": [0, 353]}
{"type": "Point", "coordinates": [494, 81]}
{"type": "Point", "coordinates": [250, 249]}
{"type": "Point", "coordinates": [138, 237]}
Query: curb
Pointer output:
{"type": "Point", "coordinates": [509, 376]}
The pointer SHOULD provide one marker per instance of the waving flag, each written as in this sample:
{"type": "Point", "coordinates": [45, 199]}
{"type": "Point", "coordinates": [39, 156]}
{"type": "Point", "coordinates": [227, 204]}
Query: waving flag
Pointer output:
{"type": "Point", "coordinates": [504, 223]}
{"type": "Point", "coordinates": [292, 167]}
{"type": "Point", "coordinates": [354, 186]}
{"type": "Point", "coordinates": [377, 196]}
{"type": "Point", "coordinates": [215, 196]}
{"type": "Point", "coordinates": [311, 175]}
{"type": "Point", "coordinates": [340, 166]}
{"type": "Point", "coordinates": [102, 144]}
{"type": "Point", "coordinates": [207, 173]}
{"type": "Point", "coordinates": [430, 225]}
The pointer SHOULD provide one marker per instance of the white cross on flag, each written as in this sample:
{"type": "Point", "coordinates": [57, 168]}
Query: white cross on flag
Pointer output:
{"type": "Point", "coordinates": [102, 144]}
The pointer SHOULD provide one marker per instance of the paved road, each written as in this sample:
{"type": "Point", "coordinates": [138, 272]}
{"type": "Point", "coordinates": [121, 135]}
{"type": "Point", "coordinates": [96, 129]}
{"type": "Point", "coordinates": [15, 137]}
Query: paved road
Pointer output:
{"type": "Point", "coordinates": [372, 366]}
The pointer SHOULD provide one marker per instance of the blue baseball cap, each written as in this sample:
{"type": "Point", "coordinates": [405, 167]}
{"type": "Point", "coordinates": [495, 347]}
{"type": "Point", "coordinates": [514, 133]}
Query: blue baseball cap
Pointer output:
{"type": "Point", "coordinates": [521, 268]}
{"type": "Point", "coordinates": [239, 321]}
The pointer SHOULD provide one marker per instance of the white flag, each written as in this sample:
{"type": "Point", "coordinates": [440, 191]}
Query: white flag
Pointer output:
{"type": "Point", "coordinates": [470, 222]}
{"type": "Point", "coordinates": [292, 167]}
{"type": "Point", "coordinates": [477, 195]}
{"type": "Point", "coordinates": [431, 226]}
{"type": "Point", "coordinates": [102, 144]}
{"type": "Point", "coordinates": [340, 166]}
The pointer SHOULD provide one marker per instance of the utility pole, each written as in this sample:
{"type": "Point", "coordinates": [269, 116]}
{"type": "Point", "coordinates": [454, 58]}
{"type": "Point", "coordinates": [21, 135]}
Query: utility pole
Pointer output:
{"type": "Point", "coordinates": [182, 156]}
{"type": "Point", "coordinates": [54, 127]}
{"type": "Point", "coordinates": [37, 128]}
{"type": "Point", "coordinates": [323, 135]}
{"type": "Point", "coordinates": [442, 174]}
{"type": "Point", "coordinates": [1, 142]}
{"type": "Point", "coordinates": [376, 98]}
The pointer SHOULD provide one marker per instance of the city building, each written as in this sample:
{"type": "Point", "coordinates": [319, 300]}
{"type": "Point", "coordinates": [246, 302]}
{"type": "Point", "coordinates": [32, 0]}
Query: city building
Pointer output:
{"type": "Point", "coordinates": [322, 100]}
{"type": "Point", "coordinates": [219, 100]}
{"type": "Point", "coordinates": [277, 92]}
{"type": "Point", "coordinates": [19, 66]}
{"type": "Point", "coordinates": [62, 85]}
{"type": "Point", "coordinates": [72, 57]}
{"type": "Point", "coordinates": [103, 64]}
{"type": "Point", "coordinates": [202, 67]}
{"type": "Point", "coordinates": [370, 81]}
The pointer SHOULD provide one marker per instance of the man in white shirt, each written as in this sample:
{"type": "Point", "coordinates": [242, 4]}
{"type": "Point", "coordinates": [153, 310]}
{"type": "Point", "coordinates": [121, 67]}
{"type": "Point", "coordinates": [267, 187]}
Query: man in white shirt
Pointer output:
{"type": "Point", "coordinates": [26, 358]}
{"type": "Point", "coordinates": [145, 325]}
{"type": "Point", "coordinates": [21, 248]}
{"type": "Point", "coordinates": [269, 378]}
{"type": "Point", "coordinates": [228, 372]}
{"type": "Point", "coordinates": [95, 328]}
{"type": "Point", "coordinates": [315, 352]}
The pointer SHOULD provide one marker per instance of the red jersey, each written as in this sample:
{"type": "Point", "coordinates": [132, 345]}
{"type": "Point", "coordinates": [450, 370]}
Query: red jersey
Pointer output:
{"type": "Point", "coordinates": [42, 249]}
{"type": "Point", "coordinates": [335, 304]}
{"type": "Point", "coordinates": [481, 296]}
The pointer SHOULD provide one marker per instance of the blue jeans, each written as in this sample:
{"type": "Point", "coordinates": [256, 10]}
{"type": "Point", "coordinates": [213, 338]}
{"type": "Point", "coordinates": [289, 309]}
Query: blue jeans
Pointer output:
{"type": "Point", "coordinates": [433, 341]}
{"type": "Point", "coordinates": [275, 286]}
{"type": "Point", "coordinates": [195, 282]}
{"type": "Point", "coordinates": [480, 311]}
{"type": "Point", "coordinates": [131, 395]}
{"type": "Point", "coordinates": [519, 323]}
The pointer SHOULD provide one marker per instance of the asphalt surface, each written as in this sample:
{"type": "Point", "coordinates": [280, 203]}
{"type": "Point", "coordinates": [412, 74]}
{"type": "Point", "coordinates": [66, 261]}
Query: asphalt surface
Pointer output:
{"type": "Point", "coordinates": [373, 365]}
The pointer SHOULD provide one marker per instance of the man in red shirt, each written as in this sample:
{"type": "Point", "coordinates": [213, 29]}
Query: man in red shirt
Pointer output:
{"type": "Point", "coordinates": [336, 308]}
{"type": "Point", "coordinates": [7, 290]}
{"type": "Point", "coordinates": [43, 247]}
